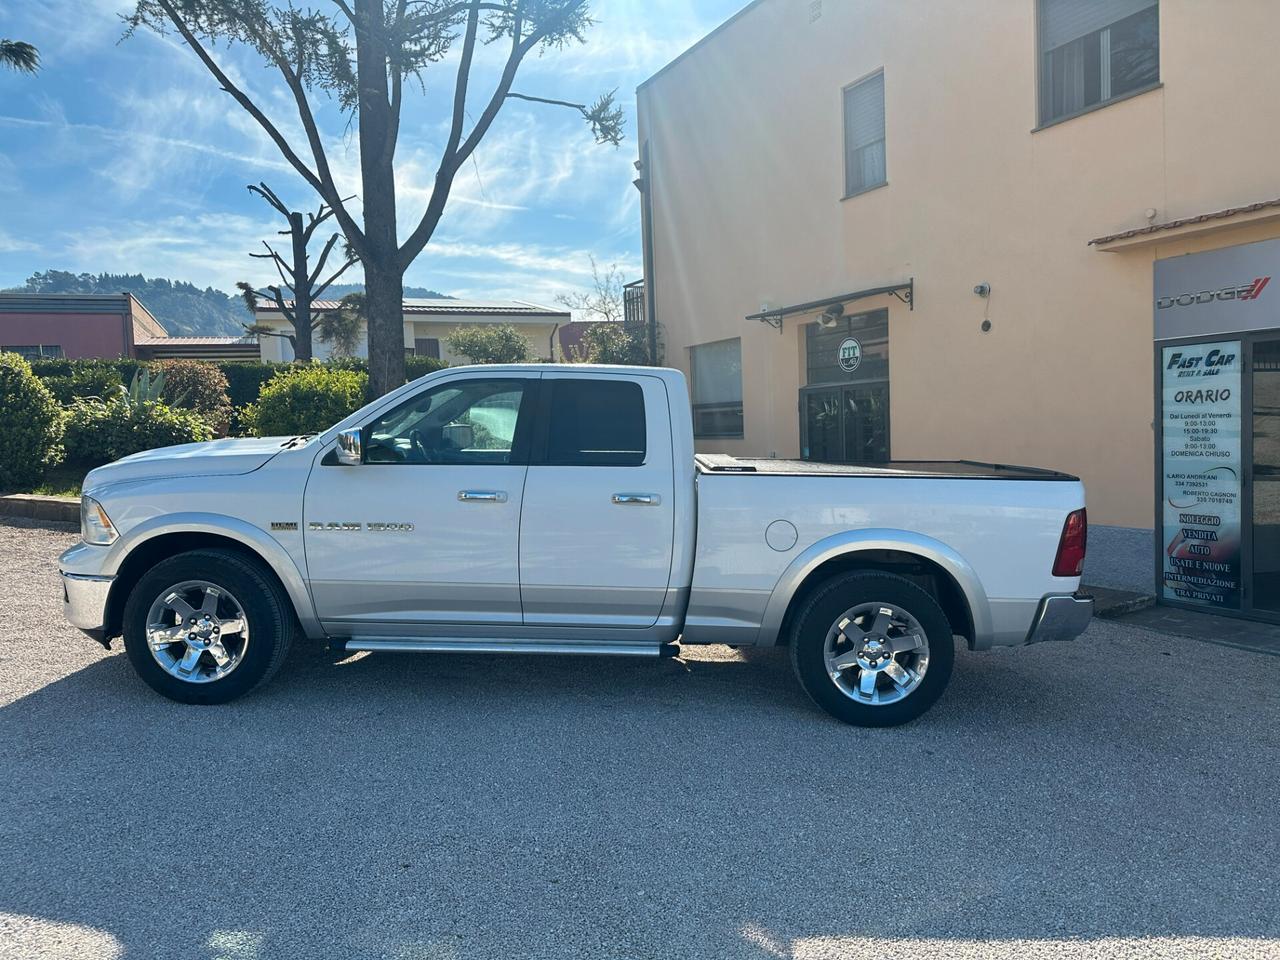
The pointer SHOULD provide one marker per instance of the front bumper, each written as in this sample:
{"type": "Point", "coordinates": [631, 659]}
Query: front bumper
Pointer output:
{"type": "Point", "coordinates": [84, 603]}
{"type": "Point", "coordinates": [1061, 616]}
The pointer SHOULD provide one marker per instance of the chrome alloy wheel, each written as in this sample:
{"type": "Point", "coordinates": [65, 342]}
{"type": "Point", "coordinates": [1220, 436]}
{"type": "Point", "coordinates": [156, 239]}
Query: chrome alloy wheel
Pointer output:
{"type": "Point", "coordinates": [876, 653]}
{"type": "Point", "coordinates": [197, 631]}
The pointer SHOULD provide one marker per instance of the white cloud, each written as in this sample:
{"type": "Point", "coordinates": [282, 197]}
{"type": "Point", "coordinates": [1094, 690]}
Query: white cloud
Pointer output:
{"type": "Point", "coordinates": [12, 244]}
{"type": "Point", "coordinates": [151, 141]}
{"type": "Point", "coordinates": [209, 249]}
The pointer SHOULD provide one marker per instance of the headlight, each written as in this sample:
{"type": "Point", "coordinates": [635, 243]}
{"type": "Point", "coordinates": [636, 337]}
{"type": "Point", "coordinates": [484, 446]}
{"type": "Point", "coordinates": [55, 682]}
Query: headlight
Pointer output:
{"type": "Point", "coordinates": [95, 526]}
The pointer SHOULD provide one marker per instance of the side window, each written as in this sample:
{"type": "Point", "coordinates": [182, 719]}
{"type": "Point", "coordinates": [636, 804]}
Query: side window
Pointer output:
{"type": "Point", "coordinates": [595, 423]}
{"type": "Point", "coordinates": [1095, 51]}
{"type": "Point", "coordinates": [716, 373]}
{"type": "Point", "coordinates": [864, 165]}
{"type": "Point", "coordinates": [467, 421]}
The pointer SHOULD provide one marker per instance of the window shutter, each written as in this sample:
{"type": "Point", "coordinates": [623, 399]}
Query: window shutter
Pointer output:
{"type": "Point", "coordinates": [864, 112]}
{"type": "Point", "coordinates": [1062, 21]}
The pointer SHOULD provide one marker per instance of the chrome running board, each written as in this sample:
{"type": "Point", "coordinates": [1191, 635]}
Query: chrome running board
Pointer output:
{"type": "Point", "coordinates": [473, 645]}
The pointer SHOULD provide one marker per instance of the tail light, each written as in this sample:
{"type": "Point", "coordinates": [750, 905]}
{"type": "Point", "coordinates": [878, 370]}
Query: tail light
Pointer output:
{"type": "Point", "coordinates": [1070, 559]}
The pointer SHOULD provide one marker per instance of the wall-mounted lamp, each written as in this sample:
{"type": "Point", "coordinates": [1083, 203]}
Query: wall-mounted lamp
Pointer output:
{"type": "Point", "coordinates": [831, 316]}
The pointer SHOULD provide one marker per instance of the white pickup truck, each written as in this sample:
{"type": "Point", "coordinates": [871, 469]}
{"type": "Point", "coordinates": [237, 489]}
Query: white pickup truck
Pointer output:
{"type": "Point", "coordinates": [541, 509]}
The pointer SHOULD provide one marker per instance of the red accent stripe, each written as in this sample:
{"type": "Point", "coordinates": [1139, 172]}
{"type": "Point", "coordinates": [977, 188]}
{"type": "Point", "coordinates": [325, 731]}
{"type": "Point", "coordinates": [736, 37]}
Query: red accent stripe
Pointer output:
{"type": "Point", "coordinates": [1258, 286]}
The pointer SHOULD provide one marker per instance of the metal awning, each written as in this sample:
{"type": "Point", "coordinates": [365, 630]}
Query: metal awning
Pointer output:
{"type": "Point", "coordinates": [903, 291]}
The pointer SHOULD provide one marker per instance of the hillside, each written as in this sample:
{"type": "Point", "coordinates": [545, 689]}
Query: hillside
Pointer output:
{"type": "Point", "coordinates": [183, 308]}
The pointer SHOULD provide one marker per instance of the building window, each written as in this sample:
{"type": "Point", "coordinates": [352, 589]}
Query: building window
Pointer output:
{"type": "Point", "coordinates": [1095, 51]}
{"type": "Point", "coordinates": [38, 351]}
{"type": "Point", "coordinates": [427, 347]}
{"type": "Point", "coordinates": [716, 371]}
{"type": "Point", "coordinates": [864, 135]}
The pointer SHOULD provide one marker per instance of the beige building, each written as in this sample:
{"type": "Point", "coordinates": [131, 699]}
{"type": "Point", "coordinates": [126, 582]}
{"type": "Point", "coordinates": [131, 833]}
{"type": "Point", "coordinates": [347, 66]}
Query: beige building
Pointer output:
{"type": "Point", "coordinates": [428, 323]}
{"type": "Point", "coordinates": [929, 229]}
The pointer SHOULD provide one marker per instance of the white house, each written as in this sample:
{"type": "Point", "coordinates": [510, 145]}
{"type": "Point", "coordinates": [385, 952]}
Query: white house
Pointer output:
{"type": "Point", "coordinates": [427, 324]}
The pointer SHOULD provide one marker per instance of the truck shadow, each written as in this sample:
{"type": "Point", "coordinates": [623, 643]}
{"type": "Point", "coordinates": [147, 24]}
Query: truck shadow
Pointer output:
{"type": "Point", "coordinates": [476, 807]}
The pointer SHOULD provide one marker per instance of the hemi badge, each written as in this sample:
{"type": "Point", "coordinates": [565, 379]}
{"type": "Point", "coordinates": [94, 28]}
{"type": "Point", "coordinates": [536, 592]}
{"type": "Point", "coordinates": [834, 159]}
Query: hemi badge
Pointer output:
{"type": "Point", "coordinates": [283, 525]}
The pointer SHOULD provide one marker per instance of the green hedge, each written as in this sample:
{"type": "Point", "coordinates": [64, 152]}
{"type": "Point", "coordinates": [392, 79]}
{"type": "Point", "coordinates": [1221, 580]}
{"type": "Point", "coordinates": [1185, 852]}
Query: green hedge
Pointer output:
{"type": "Point", "coordinates": [102, 382]}
{"type": "Point", "coordinates": [98, 432]}
{"type": "Point", "coordinates": [30, 425]}
{"type": "Point", "coordinates": [124, 367]}
{"type": "Point", "coordinates": [308, 398]}
{"type": "Point", "coordinates": [72, 380]}
{"type": "Point", "coordinates": [246, 378]}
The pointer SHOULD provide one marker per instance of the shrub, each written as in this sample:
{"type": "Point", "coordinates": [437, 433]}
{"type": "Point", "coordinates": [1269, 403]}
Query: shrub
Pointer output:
{"type": "Point", "coordinates": [91, 380]}
{"type": "Point", "coordinates": [245, 379]}
{"type": "Point", "coordinates": [124, 367]}
{"type": "Point", "coordinates": [613, 342]}
{"type": "Point", "coordinates": [200, 386]}
{"type": "Point", "coordinates": [415, 367]}
{"type": "Point", "coordinates": [30, 425]}
{"type": "Point", "coordinates": [306, 399]}
{"type": "Point", "coordinates": [495, 343]}
{"type": "Point", "coordinates": [98, 432]}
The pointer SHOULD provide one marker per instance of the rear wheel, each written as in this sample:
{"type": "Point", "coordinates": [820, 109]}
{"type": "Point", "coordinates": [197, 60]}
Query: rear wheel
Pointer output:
{"type": "Point", "coordinates": [207, 626]}
{"type": "Point", "coordinates": [872, 649]}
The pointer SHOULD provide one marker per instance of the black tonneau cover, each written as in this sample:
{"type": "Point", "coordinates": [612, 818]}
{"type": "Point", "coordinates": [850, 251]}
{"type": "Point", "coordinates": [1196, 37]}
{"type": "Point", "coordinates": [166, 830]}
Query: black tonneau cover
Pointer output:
{"type": "Point", "coordinates": [721, 463]}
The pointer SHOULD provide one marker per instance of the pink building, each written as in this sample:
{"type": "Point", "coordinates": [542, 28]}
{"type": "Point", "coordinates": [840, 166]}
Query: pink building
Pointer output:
{"type": "Point", "coordinates": [75, 325]}
{"type": "Point", "coordinates": [41, 326]}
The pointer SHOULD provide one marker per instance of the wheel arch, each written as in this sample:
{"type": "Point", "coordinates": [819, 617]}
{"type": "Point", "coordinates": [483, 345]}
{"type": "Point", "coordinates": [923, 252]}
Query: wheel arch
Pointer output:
{"type": "Point", "coordinates": [150, 543]}
{"type": "Point", "coordinates": [920, 559]}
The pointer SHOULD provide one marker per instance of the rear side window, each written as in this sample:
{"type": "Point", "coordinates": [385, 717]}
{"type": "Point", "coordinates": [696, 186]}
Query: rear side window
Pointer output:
{"type": "Point", "coordinates": [595, 423]}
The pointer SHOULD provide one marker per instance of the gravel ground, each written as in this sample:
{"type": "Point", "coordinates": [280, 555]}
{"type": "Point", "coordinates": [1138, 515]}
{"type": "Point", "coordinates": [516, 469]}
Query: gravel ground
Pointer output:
{"type": "Point", "coordinates": [1115, 796]}
{"type": "Point", "coordinates": [1122, 558]}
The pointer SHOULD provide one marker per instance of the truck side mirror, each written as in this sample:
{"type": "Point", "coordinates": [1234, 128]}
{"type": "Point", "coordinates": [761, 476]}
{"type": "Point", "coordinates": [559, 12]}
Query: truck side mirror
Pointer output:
{"type": "Point", "coordinates": [350, 448]}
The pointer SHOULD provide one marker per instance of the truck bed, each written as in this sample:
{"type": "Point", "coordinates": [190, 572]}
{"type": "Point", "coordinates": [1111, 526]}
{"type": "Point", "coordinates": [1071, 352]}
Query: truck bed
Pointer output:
{"type": "Point", "coordinates": [720, 463]}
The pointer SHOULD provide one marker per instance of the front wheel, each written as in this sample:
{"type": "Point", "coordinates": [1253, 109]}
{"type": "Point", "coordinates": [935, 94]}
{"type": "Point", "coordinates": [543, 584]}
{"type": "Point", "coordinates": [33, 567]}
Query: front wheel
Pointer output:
{"type": "Point", "coordinates": [207, 626]}
{"type": "Point", "coordinates": [872, 649]}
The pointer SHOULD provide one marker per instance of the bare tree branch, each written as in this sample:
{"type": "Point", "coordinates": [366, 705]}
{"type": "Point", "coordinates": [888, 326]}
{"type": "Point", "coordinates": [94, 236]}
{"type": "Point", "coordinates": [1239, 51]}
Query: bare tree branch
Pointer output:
{"type": "Point", "coordinates": [239, 96]}
{"type": "Point", "coordinates": [321, 288]}
{"type": "Point", "coordinates": [558, 103]}
{"type": "Point", "coordinates": [448, 166]}
{"type": "Point", "coordinates": [324, 176]}
{"type": "Point", "coordinates": [324, 255]}
{"type": "Point", "coordinates": [269, 195]}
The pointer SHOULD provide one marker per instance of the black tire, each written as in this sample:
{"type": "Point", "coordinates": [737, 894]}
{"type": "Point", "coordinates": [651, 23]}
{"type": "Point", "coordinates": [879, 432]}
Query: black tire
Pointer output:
{"type": "Point", "coordinates": [268, 613]}
{"type": "Point", "coordinates": [819, 614]}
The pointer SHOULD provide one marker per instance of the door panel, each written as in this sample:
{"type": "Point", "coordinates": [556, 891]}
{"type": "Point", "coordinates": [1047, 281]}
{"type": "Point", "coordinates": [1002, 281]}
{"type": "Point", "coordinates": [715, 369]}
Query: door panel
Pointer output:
{"type": "Point", "coordinates": [845, 424]}
{"type": "Point", "coordinates": [595, 539]}
{"type": "Point", "coordinates": [1265, 475]}
{"type": "Point", "coordinates": [426, 533]}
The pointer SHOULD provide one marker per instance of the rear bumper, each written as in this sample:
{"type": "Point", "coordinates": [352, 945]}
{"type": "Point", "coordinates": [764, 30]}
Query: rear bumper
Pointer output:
{"type": "Point", "coordinates": [1061, 616]}
{"type": "Point", "coordinates": [84, 602]}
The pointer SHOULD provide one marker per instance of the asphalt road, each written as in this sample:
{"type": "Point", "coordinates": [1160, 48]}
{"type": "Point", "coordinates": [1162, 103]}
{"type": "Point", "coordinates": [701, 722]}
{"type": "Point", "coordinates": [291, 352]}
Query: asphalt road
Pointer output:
{"type": "Point", "coordinates": [1116, 796]}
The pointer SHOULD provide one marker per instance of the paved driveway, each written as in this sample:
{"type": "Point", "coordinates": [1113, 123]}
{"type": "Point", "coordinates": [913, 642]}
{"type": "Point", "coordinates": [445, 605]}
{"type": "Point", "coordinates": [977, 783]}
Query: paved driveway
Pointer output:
{"type": "Point", "coordinates": [1113, 796]}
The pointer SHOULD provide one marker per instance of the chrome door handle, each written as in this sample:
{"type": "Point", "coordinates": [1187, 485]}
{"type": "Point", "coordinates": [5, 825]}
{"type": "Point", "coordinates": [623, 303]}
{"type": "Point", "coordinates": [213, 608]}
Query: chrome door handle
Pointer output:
{"type": "Point", "coordinates": [641, 499]}
{"type": "Point", "coordinates": [484, 496]}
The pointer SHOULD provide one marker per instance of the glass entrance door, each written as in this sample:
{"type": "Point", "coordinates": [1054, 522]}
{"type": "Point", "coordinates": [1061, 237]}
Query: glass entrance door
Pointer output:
{"type": "Point", "coordinates": [1218, 474]}
{"type": "Point", "coordinates": [1265, 474]}
{"type": "Point", "coordinates": [845, 424]}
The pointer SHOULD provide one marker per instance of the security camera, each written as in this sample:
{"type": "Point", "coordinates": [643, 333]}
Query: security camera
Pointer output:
{"type": "Point", "coordinates": [831, 316]}
{"type": "Point", "coordinates": [983, 289]}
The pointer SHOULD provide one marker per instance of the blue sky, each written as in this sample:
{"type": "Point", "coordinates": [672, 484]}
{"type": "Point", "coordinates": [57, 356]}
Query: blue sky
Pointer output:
{"type": "Point", "coordinates": [124, 156]}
